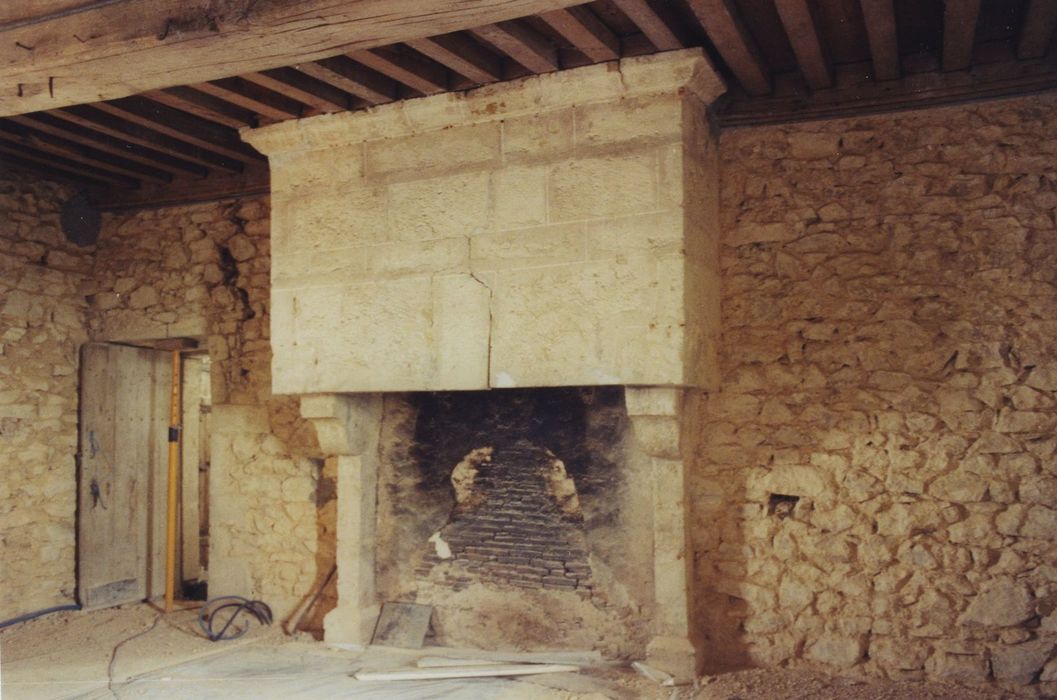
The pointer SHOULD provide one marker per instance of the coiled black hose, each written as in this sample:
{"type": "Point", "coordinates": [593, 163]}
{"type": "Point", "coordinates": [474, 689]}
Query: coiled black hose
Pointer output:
{"type": "Point", "coordinates": [210, 614]}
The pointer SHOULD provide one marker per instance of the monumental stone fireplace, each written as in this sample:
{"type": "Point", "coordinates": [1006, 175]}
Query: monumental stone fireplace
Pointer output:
{"type": "Point", "coordinates": [537, 246]}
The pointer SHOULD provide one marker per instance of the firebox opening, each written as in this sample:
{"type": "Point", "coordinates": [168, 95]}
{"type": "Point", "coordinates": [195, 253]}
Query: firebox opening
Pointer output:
{"type": "Point", "coordinates": [512, 513]}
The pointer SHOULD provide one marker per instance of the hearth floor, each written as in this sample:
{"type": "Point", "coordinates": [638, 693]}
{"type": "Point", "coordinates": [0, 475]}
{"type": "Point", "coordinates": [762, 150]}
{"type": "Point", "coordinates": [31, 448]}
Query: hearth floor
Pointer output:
{"type": "Point", "coordinates": [71, 655]}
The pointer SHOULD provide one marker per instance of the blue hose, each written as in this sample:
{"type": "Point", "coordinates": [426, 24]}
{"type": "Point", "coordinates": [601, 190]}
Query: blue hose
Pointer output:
{"type": "Point", "coordinates": [39, 613]}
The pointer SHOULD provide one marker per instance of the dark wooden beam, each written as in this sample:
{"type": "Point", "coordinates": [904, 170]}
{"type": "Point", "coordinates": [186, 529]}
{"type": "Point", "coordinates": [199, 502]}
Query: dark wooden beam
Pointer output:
{"type": "Point", "coordinates": [802, 30]}
{"type": "Point", "coordinates": [218, 186]}
{"type": "Point", "coordinates": [858, 94]}
{"type": "Point", "coordinates": [318, 95]}
{"type": "Point", "coordinates": [419, 74]}
{"type": "Point", "coordinates": [1036, 33]}
{"type": "Point", "coordinates": [734, 43]}
{"type": "Point", "coordinates": [345, 74]}
{"type": "Point", "coordinates": [662, 31]}
{"type": "Point", "coordinates": [74, 175]}
{"type": "Point", "coordinates": [959, 32]}
{"type": "Point", "coordinates": [880, 19]}
{"type": "Point", "coordinates": [185, 127]}
{"type": "Point", "coordinates": [30, 154]}
{"type": "Point", "coordinates": [91, 118]}
{"type": "Point", "coordinates": [125, 47]}
{"type": "Point", "coordinates": [462, 55]}
{"type": "Point", "coordinates": [70, 150]}
{"type": "Point", "coordinates": [204, 106]}
{"type": "Point", "coordinates": [45, 123]}
{"type": "Point", "coordinates": [522, 44]}
{"type": "Point", "coordinates": [247, 95]}
{"type": "Point", "coordinates": [585, 31]}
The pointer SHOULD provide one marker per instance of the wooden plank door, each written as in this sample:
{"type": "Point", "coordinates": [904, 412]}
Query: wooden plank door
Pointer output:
{"type": "Point", "coordinates": [122, 441]}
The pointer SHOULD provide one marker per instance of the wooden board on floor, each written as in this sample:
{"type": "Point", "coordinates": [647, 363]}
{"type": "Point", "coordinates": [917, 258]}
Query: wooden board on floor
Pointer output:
{"type": "Point", "coordinates": [402, 625]}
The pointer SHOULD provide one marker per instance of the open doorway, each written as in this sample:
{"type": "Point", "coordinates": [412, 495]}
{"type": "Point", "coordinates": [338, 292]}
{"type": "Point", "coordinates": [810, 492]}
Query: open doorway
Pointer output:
{"type": "Point", "coordinates": [123, 473]}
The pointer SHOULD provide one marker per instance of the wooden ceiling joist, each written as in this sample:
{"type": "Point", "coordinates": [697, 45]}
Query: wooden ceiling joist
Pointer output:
{"type": "Point", "coordinates": [204, 106]}
{"type": "Point", "coordinates": [959, 31]}
{"type": "Point", "coordinates": [585, 31]}
{"type": "Point", "coordinates": [67, 165]}
{"type": "Point", "coordinates": [521, 43]}
{"type": "Point", "coordinates": [734, 43]}
{"type": "Point", "coordinates": [174, 42]}
{"type": "Point", "coordinates": [260, 101]}
{"type": "Point", "coordinates": [96, 120]}
{"type": "Point", "coordinates": [421, 75]}
{"type": "Point", "coordinates": [13, 133]}
{"type": "Point", "coordinates": [45, 123]}
{"type": "Point", "coordinates": [462, 55]}
{"type": "Point", "coordinates": [320, 96]}
{"type": "Point", "coordinates": [1040, 21]}
{"type": "Point", "coordinates": [880, 19]}
{"type": "Point", "coordinates": [345, 74]}
{"type": "Point", "coordinates": [660, 29]}
{"type": "Point", "coordinates": [185, 127]}
{"type": "Point", "coordinates": [50, 171]}
{"type": "Point", "coordinates": [802, 30]}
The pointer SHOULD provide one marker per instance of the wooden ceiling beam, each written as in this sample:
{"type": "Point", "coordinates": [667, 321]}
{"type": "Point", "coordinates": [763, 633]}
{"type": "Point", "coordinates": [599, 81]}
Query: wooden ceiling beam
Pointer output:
{"type": "Point", "coordinates": [959, 33]}
{"type": "Point", "coordinates": [36, 156]}
{"type": "Point", "coordinates": [185, 127]}
{"type": "Point", "coordinates": [45, 123]}
{"type": "Point", "coordinates": [254, 181]}
{"type": "Point", "coordinates": [879, 17]}
{"type": "Point", "coordinates": [462, 55]}
{"type": "Point", "coordinates": [522, 44]}
{"type": "Point", "coordinates": [801, 28]}
{"type": "Point", "coordinates": [731, 38]}
{"type": "Point", "coordinates": [421, 75]}
{"type": "Point", "coordinates": [343, 73]}
{"type": "Point", "coordinates": [203, 106]}
{"type": "Point", "coordinates": [91, 118]}
{"type": "Point", "coordinates": [585, 31]}
{"type": "Point", "coordinates": [661, 30]}
{"type": "Point", "coordinates": [858, 94]}
{"type": "Point", "coordinates": [1040, 21]}
{"type": "Point", "coordinates": [13, 133]}
{"type": "Point", "coordinates": [318, 95]}
{"type": "Point", "coordinates": [125, 47]}
{"type": "Point", "coordinates": [258, 100]}
{"type": "Point", "coordinates": [73, 175]}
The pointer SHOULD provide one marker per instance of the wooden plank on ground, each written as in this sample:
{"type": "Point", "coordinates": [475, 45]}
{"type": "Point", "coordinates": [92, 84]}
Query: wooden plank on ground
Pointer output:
{"type": "Point", "coordinates": [484, 671]}
{"type": "Point", "coordinates": [129, 46]}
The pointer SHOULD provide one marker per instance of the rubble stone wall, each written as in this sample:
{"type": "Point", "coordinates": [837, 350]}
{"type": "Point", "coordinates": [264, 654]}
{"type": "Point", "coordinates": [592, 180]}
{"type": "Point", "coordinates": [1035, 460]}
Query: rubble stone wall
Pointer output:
{"type": "Point", "coordinates": [203, 271]}
{"type": "Point", "coordinates": [41, 330]}
{"type": "Point", "coordinates": [889, 363]}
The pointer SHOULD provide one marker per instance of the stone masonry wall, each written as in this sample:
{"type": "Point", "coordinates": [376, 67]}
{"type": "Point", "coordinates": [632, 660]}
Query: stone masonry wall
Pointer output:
{"type": "Point", "coordinates": [41, 330]}
{"type": "Point", "coordinates": [889, 359]}
{"type": "Point", "coordinates": [203, 271]}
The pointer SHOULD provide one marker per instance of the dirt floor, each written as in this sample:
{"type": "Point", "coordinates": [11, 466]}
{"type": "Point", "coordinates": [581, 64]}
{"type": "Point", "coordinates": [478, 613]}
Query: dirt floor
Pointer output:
{"type": "Point", "coordinates": [134, 652]}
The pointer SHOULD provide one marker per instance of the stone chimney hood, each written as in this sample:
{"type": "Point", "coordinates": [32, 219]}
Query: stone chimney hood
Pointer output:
{"type": "Point", "coordinates": [554, 231]}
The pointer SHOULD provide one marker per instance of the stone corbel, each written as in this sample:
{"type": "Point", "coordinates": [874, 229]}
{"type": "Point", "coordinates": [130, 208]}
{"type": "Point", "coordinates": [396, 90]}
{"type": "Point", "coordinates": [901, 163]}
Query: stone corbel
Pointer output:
{"type": "Point", "coordinates": [347, 427]}
{"type": "Point", "coordinates": [656, 415]}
